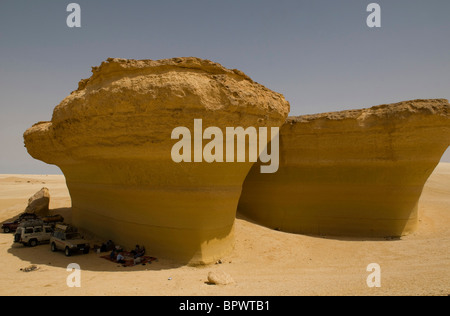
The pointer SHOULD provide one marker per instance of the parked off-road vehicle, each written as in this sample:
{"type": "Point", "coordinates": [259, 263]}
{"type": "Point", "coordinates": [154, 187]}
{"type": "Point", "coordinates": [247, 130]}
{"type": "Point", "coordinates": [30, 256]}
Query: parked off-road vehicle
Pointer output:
{"type": "Point", "coordinates": [67, 239]}
{"type": "Point", "coordinates": [33, 233]}
{"type": "Point", "coordinates": [10, 227]}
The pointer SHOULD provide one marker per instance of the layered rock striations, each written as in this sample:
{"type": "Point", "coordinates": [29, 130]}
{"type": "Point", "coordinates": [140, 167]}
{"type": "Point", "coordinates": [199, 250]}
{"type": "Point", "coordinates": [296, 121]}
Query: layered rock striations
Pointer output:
{"type": "Point", "coordinates": [352, 173]}
{"type": "Point", "coordinates": [112, 140]}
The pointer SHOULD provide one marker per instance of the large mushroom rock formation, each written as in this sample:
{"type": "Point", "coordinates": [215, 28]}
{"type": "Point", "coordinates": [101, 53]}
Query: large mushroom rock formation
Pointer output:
{"type": "Point", "coordinates": [112, 140]}
{"type": "Point", "coordinates": [352, 173]}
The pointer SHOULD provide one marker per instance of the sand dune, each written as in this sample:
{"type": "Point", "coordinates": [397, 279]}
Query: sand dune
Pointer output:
{"type": "Point", "coordinates": [264, 261]}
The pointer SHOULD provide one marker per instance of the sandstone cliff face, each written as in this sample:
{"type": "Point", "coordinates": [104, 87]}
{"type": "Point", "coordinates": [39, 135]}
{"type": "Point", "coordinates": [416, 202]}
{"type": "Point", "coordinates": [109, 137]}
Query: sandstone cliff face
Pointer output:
{"type": "Point", "coordinates": [112, 140]}
{"type": "Point", "coordinates": [351, 173]}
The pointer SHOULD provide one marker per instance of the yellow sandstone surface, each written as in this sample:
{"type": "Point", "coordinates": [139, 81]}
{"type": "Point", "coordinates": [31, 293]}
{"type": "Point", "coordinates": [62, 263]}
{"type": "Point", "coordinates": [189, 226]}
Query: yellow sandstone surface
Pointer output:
{"type": "Point", "coordinates": [112, 140]}
{"type": "Point", "coordinates": [352, 173]}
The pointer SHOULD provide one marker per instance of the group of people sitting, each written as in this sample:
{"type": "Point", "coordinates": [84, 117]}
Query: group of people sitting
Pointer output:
{"type": "Point", "coordinates": [117, 254]}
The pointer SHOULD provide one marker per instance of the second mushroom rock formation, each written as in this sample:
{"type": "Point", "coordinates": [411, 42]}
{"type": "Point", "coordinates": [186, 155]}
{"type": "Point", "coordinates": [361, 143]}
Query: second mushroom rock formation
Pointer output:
{"type": "Point", "coordinates": [112, 140]}
{"type": "Point", "coordinates": [352, 173]}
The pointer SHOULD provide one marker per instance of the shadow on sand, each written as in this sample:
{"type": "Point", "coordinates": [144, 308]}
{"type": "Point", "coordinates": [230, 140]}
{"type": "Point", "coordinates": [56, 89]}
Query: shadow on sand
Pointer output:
{"type": "Point", "coordinates": [339, 238]}
{"type": "Point", "coordinates": [42, 255]}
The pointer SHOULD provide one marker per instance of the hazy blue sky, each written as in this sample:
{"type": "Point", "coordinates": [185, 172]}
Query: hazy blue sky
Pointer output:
{"type": "Point", "coordinates": [319, 53]}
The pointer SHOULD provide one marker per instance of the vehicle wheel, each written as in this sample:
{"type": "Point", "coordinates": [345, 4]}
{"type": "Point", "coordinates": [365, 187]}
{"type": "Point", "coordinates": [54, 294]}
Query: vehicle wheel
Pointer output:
{"type": "Point", "coordinates": [32, 243]}
{"type": "Point", "coordinates": [6, 230]}
{"type": "Point", "coordinates": [86, 251]}
{"type": "Point", "coordinates": [53, 247]}
{"type": "Point", "coordinates": [67, 252]}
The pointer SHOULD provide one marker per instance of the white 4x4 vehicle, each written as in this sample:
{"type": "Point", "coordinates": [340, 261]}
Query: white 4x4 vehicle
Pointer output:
{"type": "Point", "coordinates": [33, 233]}
{"type": "Point", "coordinates": [67, 238]}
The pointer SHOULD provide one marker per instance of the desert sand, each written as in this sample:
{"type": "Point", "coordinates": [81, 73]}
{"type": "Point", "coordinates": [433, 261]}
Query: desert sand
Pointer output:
{"type": "Point", "coordinates": [263, 262]}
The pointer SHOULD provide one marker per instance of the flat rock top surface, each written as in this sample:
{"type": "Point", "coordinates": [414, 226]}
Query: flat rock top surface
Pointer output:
{"type": "Point", "coordinates": [194, 82]}
{"type": "Point", "coordinates": [265, 262]}
{"type": "Point", "coordinates": [420, 106]}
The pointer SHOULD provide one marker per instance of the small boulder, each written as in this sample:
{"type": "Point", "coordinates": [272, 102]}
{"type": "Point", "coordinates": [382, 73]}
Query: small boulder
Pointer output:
{"type": "Point", "coordinates": [39, 203]}
{"type": "Point", "coordinates": [219, 278]}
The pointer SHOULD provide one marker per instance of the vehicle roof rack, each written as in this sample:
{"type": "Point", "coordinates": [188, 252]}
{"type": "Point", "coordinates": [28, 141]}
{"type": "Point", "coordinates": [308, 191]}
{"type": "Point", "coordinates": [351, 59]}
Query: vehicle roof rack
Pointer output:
{"type": "Point", "coordinates": [32, 223]}
{"type": "Point", "coordinates": [65, 228]}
